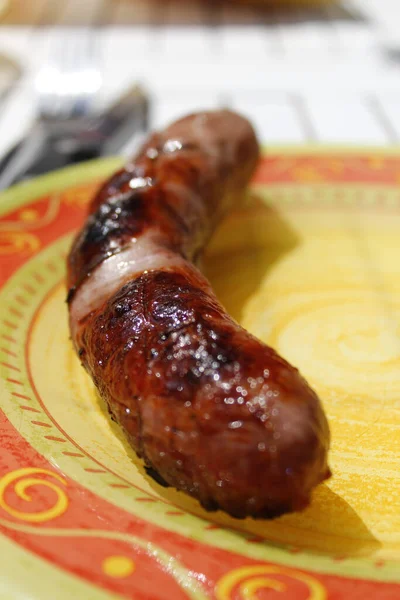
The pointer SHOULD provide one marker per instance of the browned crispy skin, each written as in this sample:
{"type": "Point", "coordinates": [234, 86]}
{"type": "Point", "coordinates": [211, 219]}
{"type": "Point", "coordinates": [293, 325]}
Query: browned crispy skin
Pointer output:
{"type": "Point", "coordinates": [191, 190]}
{"type": "Point", "coordinates": [210, 409]}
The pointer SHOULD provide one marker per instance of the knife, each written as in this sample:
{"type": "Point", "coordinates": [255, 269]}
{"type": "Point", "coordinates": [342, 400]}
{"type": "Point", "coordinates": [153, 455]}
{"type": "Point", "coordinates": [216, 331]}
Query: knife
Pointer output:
{"type": "Point", "coordinates": [43, 150]}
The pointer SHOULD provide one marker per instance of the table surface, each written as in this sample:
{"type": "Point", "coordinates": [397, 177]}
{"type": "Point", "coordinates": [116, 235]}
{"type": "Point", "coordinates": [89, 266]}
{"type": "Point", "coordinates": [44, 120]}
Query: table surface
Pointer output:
{"type": "Point", "coordinates": [328, 75]}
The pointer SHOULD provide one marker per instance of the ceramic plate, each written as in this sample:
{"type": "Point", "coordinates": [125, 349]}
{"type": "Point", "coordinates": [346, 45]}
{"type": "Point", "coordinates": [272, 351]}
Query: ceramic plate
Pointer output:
{"type": "Point", "coordinates": [310, 264]}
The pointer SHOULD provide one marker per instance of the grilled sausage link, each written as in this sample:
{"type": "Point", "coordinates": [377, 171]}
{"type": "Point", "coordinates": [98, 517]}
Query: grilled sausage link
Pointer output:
{"type": "Point", "coordinates": [210, 409]}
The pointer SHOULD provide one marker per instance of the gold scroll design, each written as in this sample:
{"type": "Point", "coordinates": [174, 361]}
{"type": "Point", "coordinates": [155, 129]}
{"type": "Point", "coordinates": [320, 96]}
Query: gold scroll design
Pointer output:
{"type": "Point", "coordinates": [16, 235]}
{"type": "Point", "coordinates": [81, 196]}
{"type": "Point", "coordinates": [21, 481]}
{"type": "Point", "coordinates": [248, 581]}
{"type": "Point", "coordinates": [35, 221]}
{"type": "Point", "coordinates": [13, 242]}
{"type": "Point", "coordinates": [186, 579]}
{"type": "Point", "coordinates": [24, 478]}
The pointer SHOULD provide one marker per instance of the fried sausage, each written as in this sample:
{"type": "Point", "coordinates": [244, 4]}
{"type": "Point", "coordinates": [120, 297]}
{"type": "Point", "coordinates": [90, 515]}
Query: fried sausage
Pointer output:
{"type": "Point", "coordinates": [211, 410]}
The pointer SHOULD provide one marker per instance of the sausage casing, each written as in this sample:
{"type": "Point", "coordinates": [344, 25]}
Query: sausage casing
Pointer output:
{"type": "Point", "coordinates": [210, 409]}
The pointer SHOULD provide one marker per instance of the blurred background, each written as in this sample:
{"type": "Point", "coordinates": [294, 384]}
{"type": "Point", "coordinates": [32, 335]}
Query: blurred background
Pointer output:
{"type": "Point", "coordinates": [302, 71]}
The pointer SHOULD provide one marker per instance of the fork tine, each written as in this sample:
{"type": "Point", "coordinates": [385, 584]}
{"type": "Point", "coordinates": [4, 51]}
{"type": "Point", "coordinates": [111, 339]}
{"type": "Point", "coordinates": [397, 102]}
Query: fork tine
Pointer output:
{"type": "Point", "coordinates": [71, 78]}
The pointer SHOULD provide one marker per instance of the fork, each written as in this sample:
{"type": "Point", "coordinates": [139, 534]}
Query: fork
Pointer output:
{"type": "Point", "coordinates": [65, 88]}
{"type": "Point", "coordinates": [68, 83]}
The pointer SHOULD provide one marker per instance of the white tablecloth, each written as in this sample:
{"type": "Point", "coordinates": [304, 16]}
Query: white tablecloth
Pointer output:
{"type": "Point", "coordinates": [331, 76]}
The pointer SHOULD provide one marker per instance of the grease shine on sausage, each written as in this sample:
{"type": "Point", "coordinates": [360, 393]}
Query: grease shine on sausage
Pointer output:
{"type": "Point", "coordinates": [210, 409]}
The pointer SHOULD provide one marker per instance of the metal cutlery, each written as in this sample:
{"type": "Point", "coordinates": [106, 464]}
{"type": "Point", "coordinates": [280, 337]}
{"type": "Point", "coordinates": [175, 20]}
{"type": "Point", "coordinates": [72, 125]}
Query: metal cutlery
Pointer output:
{"type": "Point", "coordinates": [69, 128]}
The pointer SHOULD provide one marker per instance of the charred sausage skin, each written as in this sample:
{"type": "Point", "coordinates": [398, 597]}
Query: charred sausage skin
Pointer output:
{"type": "Point", "coordinates": [210, 409]}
